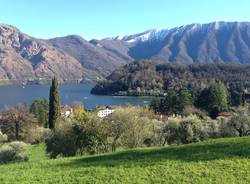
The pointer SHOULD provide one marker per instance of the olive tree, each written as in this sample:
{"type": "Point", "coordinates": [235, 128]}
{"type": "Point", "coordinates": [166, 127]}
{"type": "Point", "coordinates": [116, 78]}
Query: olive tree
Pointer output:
{"type": "Point", "coordinates": [241, 123]}
{"type": "Point", "coordinates": [129, 127]}
{"type": "Point", "coordinates": [184, 130]}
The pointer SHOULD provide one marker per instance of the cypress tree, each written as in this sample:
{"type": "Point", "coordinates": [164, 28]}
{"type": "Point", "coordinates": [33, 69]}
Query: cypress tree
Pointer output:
{"type": "Point", "coordinates": [54, 104]}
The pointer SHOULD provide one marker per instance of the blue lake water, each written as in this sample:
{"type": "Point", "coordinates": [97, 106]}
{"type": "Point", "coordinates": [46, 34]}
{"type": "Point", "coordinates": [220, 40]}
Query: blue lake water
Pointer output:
{"type": "Point", "coordinates": [16, 94]}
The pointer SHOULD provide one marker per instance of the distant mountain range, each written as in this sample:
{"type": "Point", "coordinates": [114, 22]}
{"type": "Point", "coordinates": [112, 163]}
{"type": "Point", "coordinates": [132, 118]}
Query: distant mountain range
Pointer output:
{"type": "Point", "coordinates": [24, 58]}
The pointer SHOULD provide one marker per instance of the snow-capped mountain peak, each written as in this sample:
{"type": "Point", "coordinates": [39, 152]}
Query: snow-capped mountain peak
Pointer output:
{"type": "Point", "coordinates": [161, 34]}
{"type": "Point", "coordinates": [152, 34]}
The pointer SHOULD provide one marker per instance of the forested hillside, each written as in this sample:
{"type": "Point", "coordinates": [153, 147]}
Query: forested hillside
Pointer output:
{"type": "Point", "coordinates": [154, 78]}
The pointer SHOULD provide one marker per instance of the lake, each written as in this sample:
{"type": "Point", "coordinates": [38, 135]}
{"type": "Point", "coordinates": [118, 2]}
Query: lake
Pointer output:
{"type": "Point", "coordinates": [16, 94]}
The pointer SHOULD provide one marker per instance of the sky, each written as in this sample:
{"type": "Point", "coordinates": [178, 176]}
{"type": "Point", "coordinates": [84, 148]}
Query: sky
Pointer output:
{"type": "Point", "coordinates": [109, 18]}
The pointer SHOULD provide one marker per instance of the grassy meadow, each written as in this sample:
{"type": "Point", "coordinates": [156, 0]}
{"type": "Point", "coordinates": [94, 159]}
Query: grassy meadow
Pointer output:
{"type": "Point", "coordinates": [214, 161]}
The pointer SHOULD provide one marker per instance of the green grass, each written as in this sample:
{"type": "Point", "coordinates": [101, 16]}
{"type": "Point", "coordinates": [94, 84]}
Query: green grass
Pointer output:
{"type": "Point", "coordinates": [215, 161]}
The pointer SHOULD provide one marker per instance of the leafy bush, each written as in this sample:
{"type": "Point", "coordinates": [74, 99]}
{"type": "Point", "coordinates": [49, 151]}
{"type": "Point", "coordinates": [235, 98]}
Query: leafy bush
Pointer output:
{"type": "Point", "coordinates": [192, 130]}
{"type": "Point", "coordinates": [3, 137]}
{"type": "Point", "coordinates": [39, 135]}
{"type": "Point", "coordinates": [72, 138]}
{"type": "Point", "coordinates": [241, 123]}
{"type": "Point", "coordinates": [130, 127]}
{"type": "Point", "coordinates": [13, 152]}
{"type": "Point", "coordinates": [62, 142]}
{"type": "Point", "coordinates": [185, 130]}
{"type": "Point", "coordinates": [79, 114]}
{"type": "Point", "coordinates": [225, 128]}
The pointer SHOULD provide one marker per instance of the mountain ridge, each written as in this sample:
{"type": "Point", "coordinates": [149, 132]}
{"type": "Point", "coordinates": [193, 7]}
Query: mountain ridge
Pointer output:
{"type": "Point", "coordinates": [23, 57]}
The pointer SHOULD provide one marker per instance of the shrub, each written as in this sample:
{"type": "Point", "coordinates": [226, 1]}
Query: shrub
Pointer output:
{"type": "Point", "coordinates": [3, 137]}
{"type": "Point", "coordinates": [72, 138]}
{"type": "Point", "coordinates": [241, 123]}
{"type": "Point", "coordinates": [171, 132]}
{"type": "Point", "coordinates": [13, 152]}
{"type": "Point", "coordinates": [192, 130]}
{"type": "Point", "coordinates": [62, 142]}
{"type": "Point", "coordinates": [185, 130]}
{"type": "Point", "coordinates": [79, 114]}
{"type": "Point", "coordinates": [39, 135]}
{"type": "Point", "coordinates": [225, 128]}
{"type": "Point", "coordinates": [130, 127]}
{"type": "Point", "coordinates": [192, 110]}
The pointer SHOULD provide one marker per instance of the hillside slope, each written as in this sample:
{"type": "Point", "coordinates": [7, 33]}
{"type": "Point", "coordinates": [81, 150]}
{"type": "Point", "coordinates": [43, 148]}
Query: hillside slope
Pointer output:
{"type": "Point", "coordinates": [154, 78]}
{"type": "Point", "coordinates": [216, 161]}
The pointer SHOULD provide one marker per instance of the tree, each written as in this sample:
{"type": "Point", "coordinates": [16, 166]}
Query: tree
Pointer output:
{"type": "Point", "coordinates": [174, 102]}
{"type": "Point", "coordinates": [241, 123]}
{"type": "Point", "coordinates": [237, 94]}
{"type": "Point", "coordinates": [185, 99]}
{"type": "Point", "coordinates": [215, 95]}
{"type": "Point", "coordinates": [156, 105]}
{"type": "Point", "coordinates": [72, 138]}
{"type": "Point", "coordinates": [54, 104]}
{"type": "Point", "coordinates": [79, 114]}
{"type": "Point", "coordinates": [40, 108]}
{"type": "Point", "coordinates": [185, 130]}
{"type": "Point", "coordinates": [17, 123]}
{"type": "Point", "coordinates": [129, 127]}
{"type": "Point", "coordinates": [116, 126]}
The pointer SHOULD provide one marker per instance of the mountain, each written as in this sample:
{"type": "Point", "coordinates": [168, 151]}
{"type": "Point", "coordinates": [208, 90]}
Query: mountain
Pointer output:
{"type": "Point", "coordinates": [24, 58]}
{"type": "Point", "coordinates": [91, 55]}
{"type": "Point", "coordinates": [155, 78]}
{"type": "Point", "coordinates": [194, 43]}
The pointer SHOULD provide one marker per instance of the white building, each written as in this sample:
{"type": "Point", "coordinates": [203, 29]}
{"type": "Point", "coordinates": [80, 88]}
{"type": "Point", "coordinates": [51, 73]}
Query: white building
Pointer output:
{"type": "Point", "coordinates": [105, 112]}
{"type": "Point", "coordinates": [66, 111]}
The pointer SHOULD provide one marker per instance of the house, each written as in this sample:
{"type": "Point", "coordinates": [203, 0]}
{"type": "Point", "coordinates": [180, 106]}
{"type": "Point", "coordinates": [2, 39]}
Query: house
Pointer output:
{"type": "Point", "coordinates": [66, 111]}
{"type": "Point", "coordinates": [105, 112]}
{"type": "Point", "coordinates": [225, 114]}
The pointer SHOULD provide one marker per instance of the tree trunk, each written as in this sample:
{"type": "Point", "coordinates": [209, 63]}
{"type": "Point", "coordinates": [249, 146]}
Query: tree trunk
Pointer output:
{"type": "Point", "coordinates": [17, 130]}
{"type": "Point", "coordinates": [241, 132]}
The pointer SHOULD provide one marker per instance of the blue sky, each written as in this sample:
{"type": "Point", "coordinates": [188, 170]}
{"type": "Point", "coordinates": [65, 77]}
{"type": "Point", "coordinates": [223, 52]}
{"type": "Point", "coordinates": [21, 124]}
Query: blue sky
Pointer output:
{"type": "Point", "coordinates": [107, 18]}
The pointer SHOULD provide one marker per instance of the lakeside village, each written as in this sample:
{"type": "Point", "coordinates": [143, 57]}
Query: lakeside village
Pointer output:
{"type": "Point", "coordinates": [104, 111]}
{"type": "Point", "coordinates": [101, 111]}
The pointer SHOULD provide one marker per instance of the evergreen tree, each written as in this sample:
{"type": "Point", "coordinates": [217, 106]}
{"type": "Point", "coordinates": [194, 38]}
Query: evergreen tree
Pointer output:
{"type": "Point", "coordinates": [215, 95]}
{"type": "Point", "coordinates": [237, 94]}
{"type": "Point", "coordinates": [54, 104]}
{"type": "Point", "coordinates": [173, 103]}
{"type": "Point", "coordinates": [185, 99]}
{"type": "Point", "coordinates": [40, 108]}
